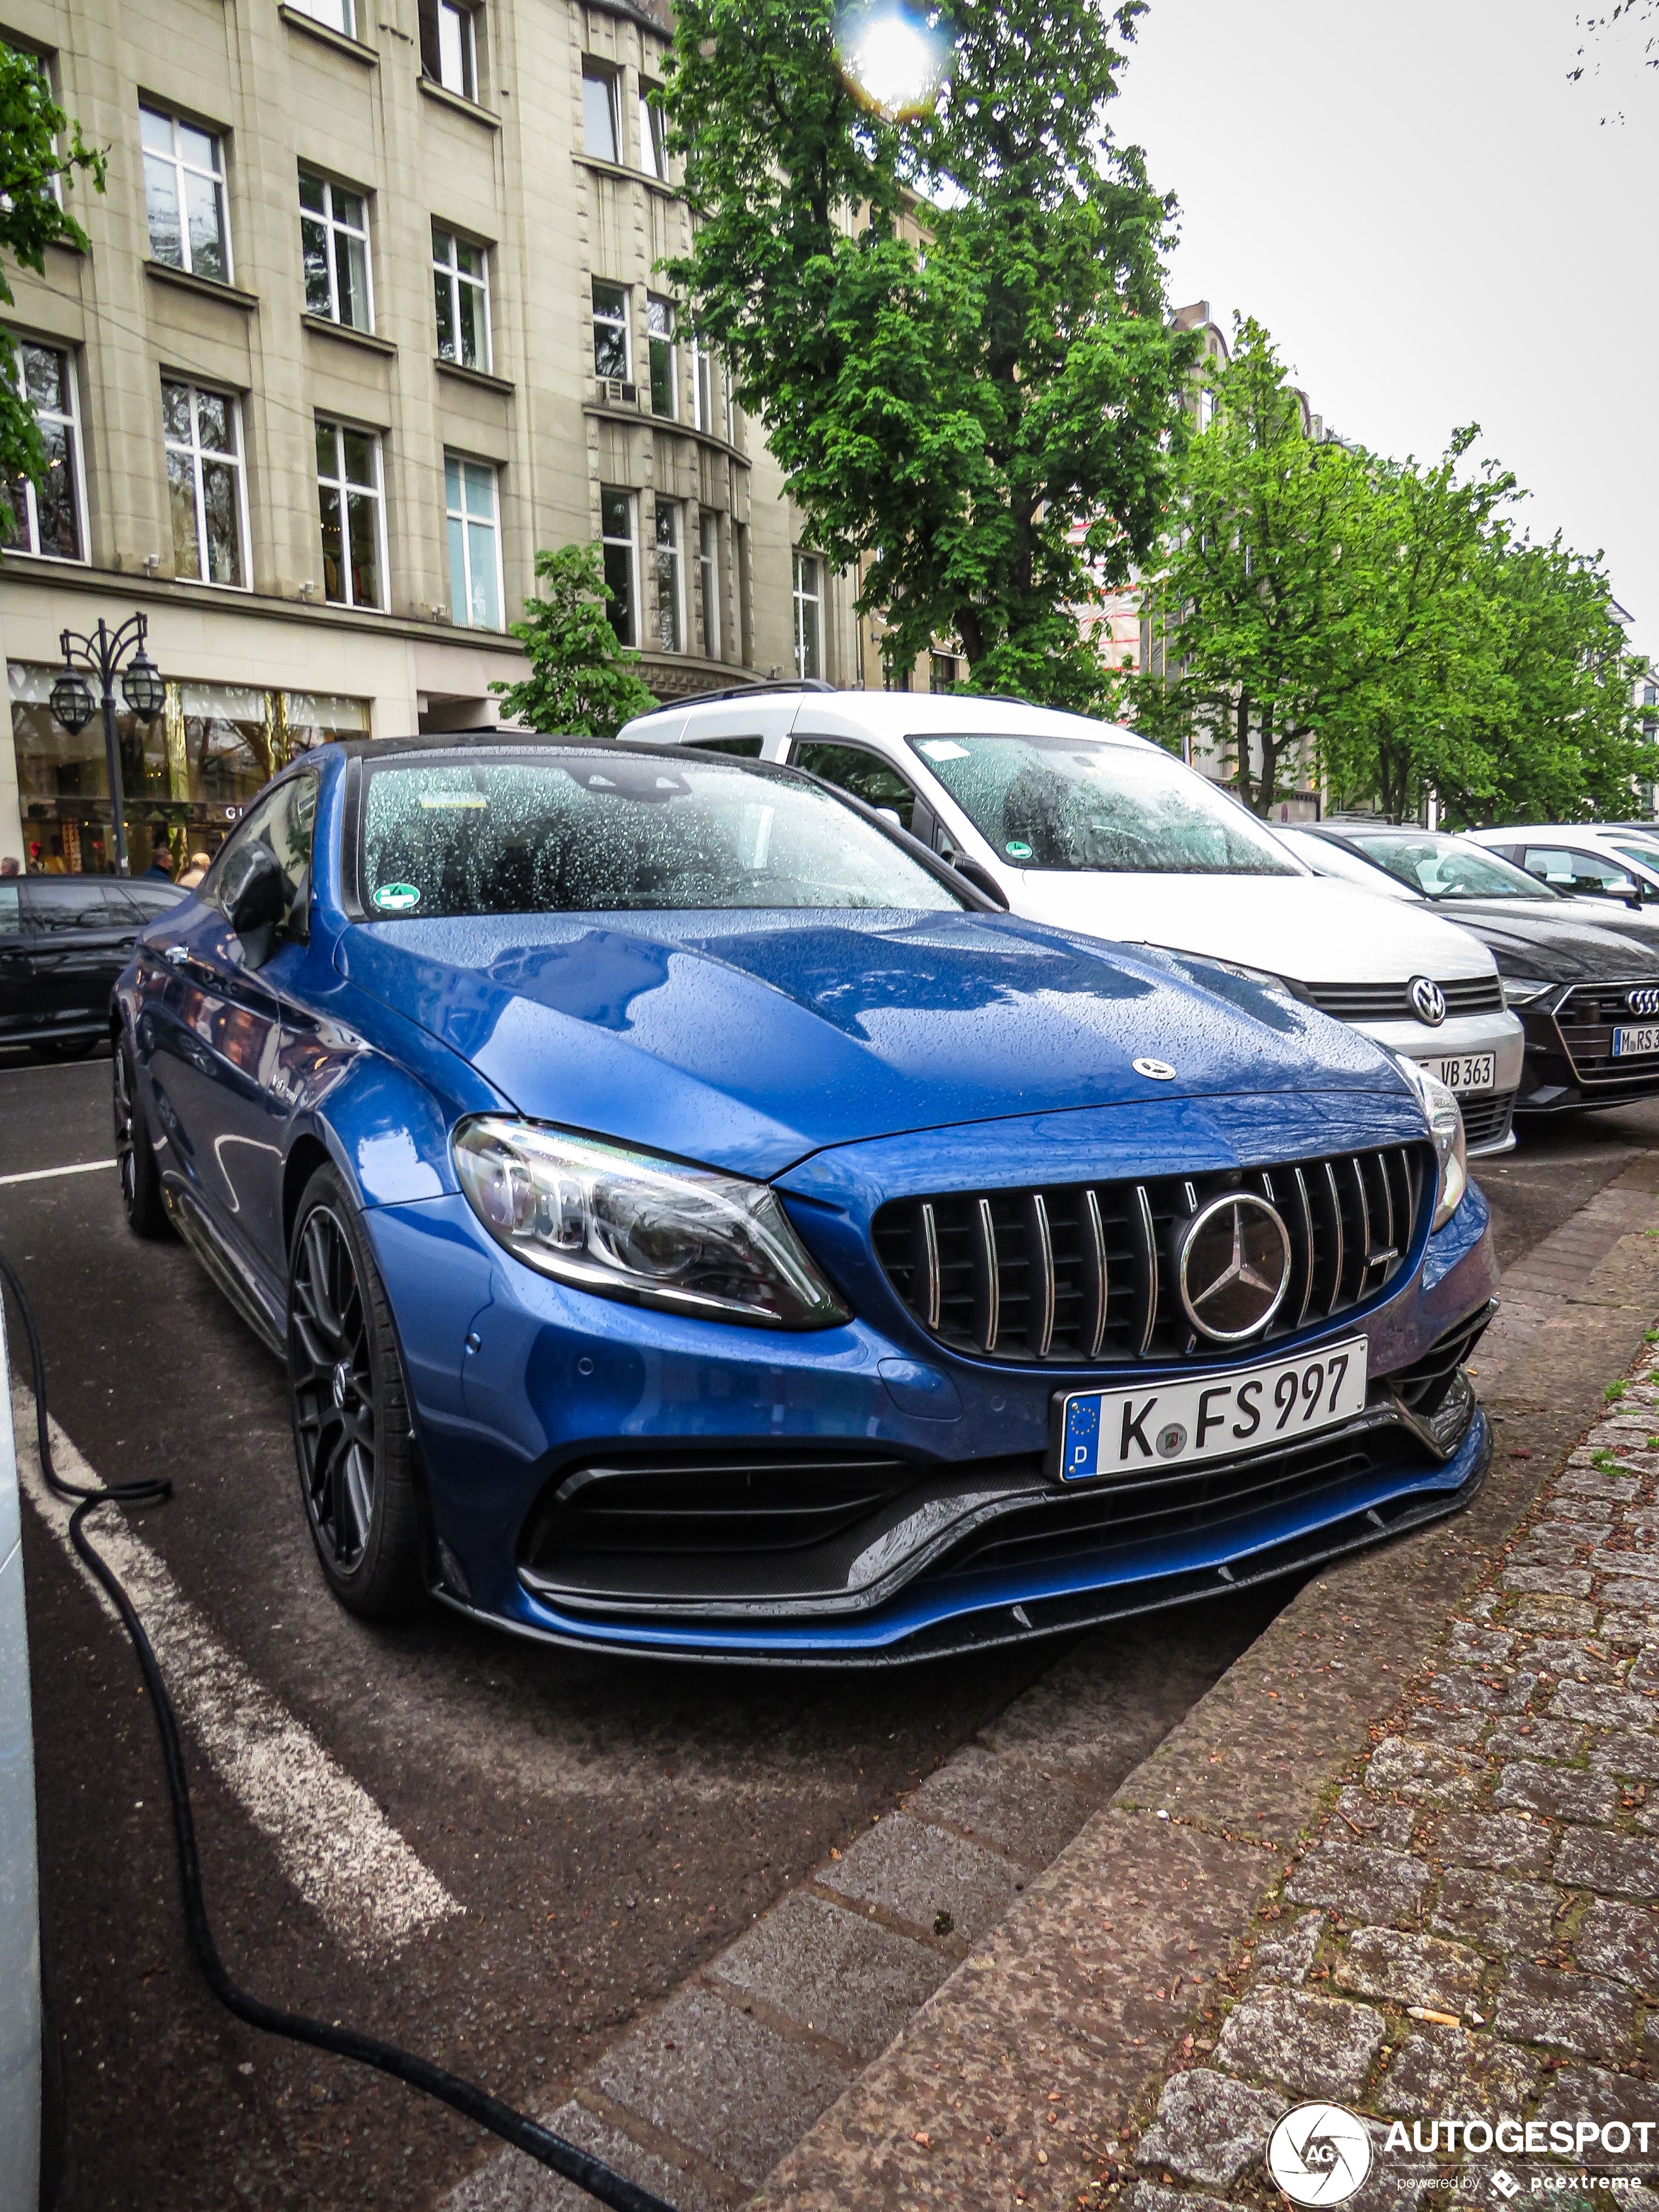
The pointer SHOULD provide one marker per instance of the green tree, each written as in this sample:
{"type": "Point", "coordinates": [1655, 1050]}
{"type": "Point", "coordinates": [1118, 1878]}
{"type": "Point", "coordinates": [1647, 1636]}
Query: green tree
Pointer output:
{"type": "Point", "coordinates": [951, 319]}
{"type": "Point", "coordinates": [35, 170]}
{"type": "Point", "coordinates": [581, 682]}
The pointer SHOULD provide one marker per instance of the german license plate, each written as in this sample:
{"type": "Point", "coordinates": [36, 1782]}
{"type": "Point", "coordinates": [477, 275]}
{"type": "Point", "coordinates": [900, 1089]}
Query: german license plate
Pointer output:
{"type": "Point", "coordinates": [1628, 1041]}
{"type": "Point", "coordinates": [1467, 1072]}
{"type": "Point", "coordinates": [1124, 1433]}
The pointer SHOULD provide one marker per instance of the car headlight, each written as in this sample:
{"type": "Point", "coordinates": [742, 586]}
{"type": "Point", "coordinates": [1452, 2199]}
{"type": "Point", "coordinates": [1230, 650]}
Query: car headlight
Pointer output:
{"type": "Point", "coordinates": [1445, 1120]}
{"type": "Point", "coordinates": [1521, 990]}
{"type": "Point", "coordinates": [633, 1226]}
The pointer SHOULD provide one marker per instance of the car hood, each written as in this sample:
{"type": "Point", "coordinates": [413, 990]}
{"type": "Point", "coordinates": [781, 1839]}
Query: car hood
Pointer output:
{"type": "Point", "coordinates": [1557, 946]}
{"type": "Point", "coordinates": [749, 1040]}
{"type": "Point", "coordinates": [1308, 928]}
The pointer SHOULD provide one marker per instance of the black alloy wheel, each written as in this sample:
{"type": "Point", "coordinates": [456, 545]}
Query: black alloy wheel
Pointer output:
{"type": "Point", "coordinates": [352, 1433]}
{"type": "Point", "coordinates": [135, 1155]}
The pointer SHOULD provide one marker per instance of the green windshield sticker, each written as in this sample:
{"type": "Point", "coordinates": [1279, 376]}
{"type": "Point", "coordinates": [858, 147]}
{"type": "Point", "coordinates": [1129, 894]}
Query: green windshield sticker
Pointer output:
{"type": "Point", "coordinates": [1018, 849]}
{"type": "Point", "coordinates": [396, 898]}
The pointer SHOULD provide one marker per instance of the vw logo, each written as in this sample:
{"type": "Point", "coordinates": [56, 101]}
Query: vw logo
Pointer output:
{"type": "Point", "coordinates": [1428, 1001]}
{"type": "Point", "coordinates": [1235, 1267]}
{"type": "Point", "coordinates": [1644, 1000]}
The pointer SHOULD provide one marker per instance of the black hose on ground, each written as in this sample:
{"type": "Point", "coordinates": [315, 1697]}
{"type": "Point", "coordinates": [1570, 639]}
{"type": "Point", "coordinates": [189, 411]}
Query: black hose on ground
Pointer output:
{"type": "Point", "coordinates": [565, 2158]}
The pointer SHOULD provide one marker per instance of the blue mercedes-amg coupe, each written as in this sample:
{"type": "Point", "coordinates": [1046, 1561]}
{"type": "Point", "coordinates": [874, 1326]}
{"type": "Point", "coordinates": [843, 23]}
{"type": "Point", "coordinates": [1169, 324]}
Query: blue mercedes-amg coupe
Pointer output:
{"type": "Point", "coordinates": [697, 1220]}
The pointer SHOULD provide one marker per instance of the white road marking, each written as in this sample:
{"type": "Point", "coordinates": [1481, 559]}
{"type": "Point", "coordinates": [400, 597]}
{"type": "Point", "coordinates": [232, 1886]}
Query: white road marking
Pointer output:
{"type": "Point", "coordinates": [342, 1855]}
{"type": "Point", "coordinates": [46, 1174]}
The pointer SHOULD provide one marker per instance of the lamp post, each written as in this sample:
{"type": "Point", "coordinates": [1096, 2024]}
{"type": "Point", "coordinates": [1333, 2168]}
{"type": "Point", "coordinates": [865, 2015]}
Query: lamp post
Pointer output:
{"type": "Point", "coordinates": [142, 687]}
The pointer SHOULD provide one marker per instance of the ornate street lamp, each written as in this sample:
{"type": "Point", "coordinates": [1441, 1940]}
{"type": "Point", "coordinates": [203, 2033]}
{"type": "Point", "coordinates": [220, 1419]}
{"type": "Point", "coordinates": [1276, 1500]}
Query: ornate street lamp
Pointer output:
{"type": "Point", "coordinates": [142, 687]}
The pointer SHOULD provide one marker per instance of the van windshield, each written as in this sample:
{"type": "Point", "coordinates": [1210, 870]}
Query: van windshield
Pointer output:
{"type": "Point", "coordinates": [1064, 803]}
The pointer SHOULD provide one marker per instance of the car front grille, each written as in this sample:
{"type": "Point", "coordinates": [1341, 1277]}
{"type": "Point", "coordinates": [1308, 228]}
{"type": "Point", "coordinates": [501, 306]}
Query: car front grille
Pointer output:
{"type": "Point", "coordinates": [1082, 1274]}
{"type": "Point", "coordinates": [1486, 1120]}
{"type": "Point", "coordinates": [1587, 1017]}
{"type": "Point", "coordinates": [1391, 1002]}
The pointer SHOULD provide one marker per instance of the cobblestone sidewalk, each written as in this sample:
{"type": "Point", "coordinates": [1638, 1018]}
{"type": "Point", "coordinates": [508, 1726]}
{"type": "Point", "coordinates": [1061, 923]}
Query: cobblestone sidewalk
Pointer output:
{"type": "Point", "coordinates": [1471, 1932]}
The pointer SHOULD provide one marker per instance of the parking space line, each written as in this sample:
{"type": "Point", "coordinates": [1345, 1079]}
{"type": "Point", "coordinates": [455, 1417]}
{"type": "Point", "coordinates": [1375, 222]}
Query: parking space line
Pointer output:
{"type": "Point", "coordinates": [342, 1855]}
{"type": "Point", "coordinates": [46, 1174]}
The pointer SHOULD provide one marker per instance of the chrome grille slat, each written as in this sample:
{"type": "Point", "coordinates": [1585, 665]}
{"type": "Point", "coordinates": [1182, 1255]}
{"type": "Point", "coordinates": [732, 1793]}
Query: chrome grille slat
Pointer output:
{"type": "Point", "coordinates": [1083, 1275]}
{"type": "Point", "coordinates": [1391, 1002]}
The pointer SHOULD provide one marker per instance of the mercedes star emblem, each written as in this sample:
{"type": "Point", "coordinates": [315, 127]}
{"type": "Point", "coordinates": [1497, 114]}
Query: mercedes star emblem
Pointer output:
{"type": "Point", "coordinates": [1156, 1071]}
{"type": "Point", "coordinates": [1428, 1001]}
{"type": "Point", "coordinates": [1235, 1267]}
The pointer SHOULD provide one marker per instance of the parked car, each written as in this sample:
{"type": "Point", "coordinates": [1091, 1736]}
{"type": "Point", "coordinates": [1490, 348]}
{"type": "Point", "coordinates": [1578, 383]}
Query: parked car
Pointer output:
{"type": "Point", "coordinates": [1584, 977]}
{"type": "Point", "coordinates": [1589, 859]}
{"type": "Point", "coordinates": [63, 940]}
{"type": "Point", "coordinates": [694, 1220]}
{"type": "Point", "coordinates": [1089, 826]}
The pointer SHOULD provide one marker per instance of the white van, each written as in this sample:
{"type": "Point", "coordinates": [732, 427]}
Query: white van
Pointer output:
{"type": "Point", "coordinates": [1092, 826]}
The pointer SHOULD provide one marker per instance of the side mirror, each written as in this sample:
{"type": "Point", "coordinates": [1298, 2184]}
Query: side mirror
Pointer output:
{"type": "Point", "coordinates": [1626, 888]}
{"type": "Point", "coordinates": [983, 880]}
{"type": "Point", "coordinates": [254, 893]}
{"type": "Point", "coordinates": [891, 814]}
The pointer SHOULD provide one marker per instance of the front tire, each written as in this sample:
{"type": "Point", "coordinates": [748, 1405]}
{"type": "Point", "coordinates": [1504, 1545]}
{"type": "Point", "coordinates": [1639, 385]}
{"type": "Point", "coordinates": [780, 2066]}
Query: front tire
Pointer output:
{"type": "Point", "coordinates": [350, 1411]}
{"type": "Point", "coordinates": [135, 1155]}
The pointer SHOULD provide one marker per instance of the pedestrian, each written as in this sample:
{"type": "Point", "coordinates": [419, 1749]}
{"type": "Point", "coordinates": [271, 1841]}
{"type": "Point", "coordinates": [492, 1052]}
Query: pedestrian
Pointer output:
{"type": "Point", "coordinates": [194, 873]}
{"type": "Point", "coordinates": [10, 865]}
{"type": "Point", "coordinates": [160, 863]}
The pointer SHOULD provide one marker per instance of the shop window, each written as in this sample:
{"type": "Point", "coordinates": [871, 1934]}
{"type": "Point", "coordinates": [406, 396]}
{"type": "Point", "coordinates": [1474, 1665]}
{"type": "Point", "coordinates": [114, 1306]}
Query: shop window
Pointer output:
{"type": "Point", "coordinates": [202, 433]}
{"type": "Point", "coordinates": [46, 516]}
{"type": "Point", "coordinates": [334, 247]}
{"type": "Point", "coordinates": [460, 282]}
{"type": "Point", "coordinates": [620, 546]}
{"type": "Point", "coordinates": [185, 195]}
{"type": "Point", "coordinates": [472, 511]}
{"type": "Point", "coordinates": [351, 510]}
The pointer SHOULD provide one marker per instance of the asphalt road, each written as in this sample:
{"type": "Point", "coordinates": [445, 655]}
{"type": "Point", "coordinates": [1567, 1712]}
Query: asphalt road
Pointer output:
{"type": "Point", "coordinates": [606, 1828]}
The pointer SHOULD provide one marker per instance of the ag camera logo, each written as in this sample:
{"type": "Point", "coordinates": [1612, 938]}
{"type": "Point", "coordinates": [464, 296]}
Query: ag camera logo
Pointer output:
{"type": "Point", "coordinates": [1320, 2154]}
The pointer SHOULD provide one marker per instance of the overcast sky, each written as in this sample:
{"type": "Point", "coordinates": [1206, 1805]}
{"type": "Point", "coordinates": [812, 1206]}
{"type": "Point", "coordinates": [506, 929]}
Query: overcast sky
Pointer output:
{"type": "Point", "coordinates": [1437, 227]}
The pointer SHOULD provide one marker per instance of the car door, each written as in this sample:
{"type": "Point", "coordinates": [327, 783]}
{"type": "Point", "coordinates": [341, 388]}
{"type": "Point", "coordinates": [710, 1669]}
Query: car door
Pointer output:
{"type": "Point", "coordinates": [214, 1035]}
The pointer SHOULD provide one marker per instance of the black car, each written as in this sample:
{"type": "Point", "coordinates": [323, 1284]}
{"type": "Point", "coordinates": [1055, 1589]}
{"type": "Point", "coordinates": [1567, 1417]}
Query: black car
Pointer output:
{"type": "Point", "coordinates": [63, 940]}
{"type": "Point", "coordinates": [1586, 988]}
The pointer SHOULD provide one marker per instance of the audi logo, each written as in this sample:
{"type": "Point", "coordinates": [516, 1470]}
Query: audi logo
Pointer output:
{"type": "Point", "coordinates": [1643, 1000]}
{"type": "Point", "coordinates": [1428, 1001]}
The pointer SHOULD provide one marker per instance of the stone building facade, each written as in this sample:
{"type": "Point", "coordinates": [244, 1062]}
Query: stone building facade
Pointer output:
{"type": "Point", "coordinates": [370, 312]}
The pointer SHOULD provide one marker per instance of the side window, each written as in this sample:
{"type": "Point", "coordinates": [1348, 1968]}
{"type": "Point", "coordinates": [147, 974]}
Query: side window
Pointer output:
{"type": "Point", "coordinates": [284, 820]}
{"type": "Point", "coordinates": [738, 748]}
{"type": "Point", "coordinates": [864, 774]}
{"type": "Point", "coordinates": [71, 902]}
{"type": "Point", "coordinates": [1574, 870]}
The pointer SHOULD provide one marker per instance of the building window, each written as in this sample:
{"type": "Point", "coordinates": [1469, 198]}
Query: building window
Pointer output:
{"type": "Point", "coordinates": [449, 47]}
{"type": "Point", "coordinates": [611, 351]}
{"type": "Point", "coordinates": [601, 112]}
{"type": "Point", "coordinates": [943, 671]}
{"type": "Point", "coordinates": [339, 15]}
{"type": "Point", "coordinates": [621, 565]}
{"type": "Point", "coordinates": [653, 134]}
{"type": "Point", "coordinates": [474, 542]}
{"type": "Point", "coordinates": [809, 616]}
{"type": "Point", "coordinates": [744, 580]}
{"type": "Point", "coordinates": [45, 518]}
{"type": "Point", "coordinates": [201, 432]}
{"type": "Point", "coordinates": [665, 367]}
{"type": "Point", "coordinates": [708, 564]}
{"type": "Point", "coordinates": [351, 508]}
{"type": "Point", "coordinates": [731, 407]}
{"type": "Point", "coordinates": [702, 387]}
{"type": "Point", "coordinates": [184, 196]}
{"type": "Point", "coordinates": [460, 283]}
{"type": "Point", "coordinates": [671, 597]}
{"type": "Point", "coordinates": [334, 246]}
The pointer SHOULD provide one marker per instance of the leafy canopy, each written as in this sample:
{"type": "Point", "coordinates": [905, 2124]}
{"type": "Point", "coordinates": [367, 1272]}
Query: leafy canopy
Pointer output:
{"type": "Point", "coordinates": [34, 171]}
{"type": "Point", "coordinates": [581, 682]}
{"type": "Point", "coordinates": [1382, 620]}
{"type": "Point", "coordinates": [951, 320]}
